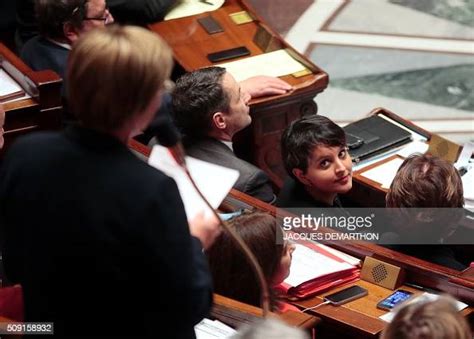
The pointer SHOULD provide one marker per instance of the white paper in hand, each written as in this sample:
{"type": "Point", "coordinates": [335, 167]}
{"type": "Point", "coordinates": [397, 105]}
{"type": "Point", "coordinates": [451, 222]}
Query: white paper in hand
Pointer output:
{"type": "Point", "coordinates": [214, 181]}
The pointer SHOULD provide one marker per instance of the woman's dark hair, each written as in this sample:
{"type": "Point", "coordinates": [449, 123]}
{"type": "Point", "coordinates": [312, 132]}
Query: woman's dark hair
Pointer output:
{"type": "Point", "coordinates": [301, 137]}
{"type": "Point", "coordinates": [232, 274]}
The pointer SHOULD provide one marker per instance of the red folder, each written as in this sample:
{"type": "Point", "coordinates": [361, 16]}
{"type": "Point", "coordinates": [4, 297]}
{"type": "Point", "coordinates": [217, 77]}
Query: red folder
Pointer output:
{"type": "Point", "coordinates": [323, 282]}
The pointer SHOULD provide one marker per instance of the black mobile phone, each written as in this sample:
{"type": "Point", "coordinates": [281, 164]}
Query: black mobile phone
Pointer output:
{"type": "Point", "coordinates": [353, 142]}
{"type": "Point", "coordinates": [346, 295]}
{"type": "Point", "coordinates": [394, 299]}
{"type": "Point", "coordinates": [228, 54]}
{"type": "Point", "coordinates": [210, 25]}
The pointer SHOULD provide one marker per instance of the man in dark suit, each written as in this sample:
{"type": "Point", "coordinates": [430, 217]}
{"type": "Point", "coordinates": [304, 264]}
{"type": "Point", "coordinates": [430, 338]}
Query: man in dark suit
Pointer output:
{"type": "Point", "coordinates": [97, 238]}
{"type": "Point", "coordinates": [211, 107]}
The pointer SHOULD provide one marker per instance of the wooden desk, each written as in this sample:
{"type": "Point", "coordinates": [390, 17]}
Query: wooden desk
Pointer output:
{"type": "Point", "coordinates": [260, 143]}
{"type": "Point", "coordinates": [236, 314]}
{"type": "Point", "coordinates": [359, 318]}
{"type": "Point", "coordinates": [40, 112]}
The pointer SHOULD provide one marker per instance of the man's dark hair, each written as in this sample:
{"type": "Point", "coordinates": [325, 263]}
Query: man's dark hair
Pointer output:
{"type": "Point", "coordinates": [301, 137]}
{"type": "Point", "coordinates": [197, 96]}
{"type": "Point", "coordinates": [52, 14]}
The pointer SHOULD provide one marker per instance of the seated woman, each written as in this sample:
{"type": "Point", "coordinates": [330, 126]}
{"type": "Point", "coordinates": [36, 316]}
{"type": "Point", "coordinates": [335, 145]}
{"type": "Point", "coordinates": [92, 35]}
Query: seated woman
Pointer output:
{"type": "Point", "coordinates": [315, 155]}
{"type": "Point", "coordinates": [427, 193]}
{"type": "Point", "coordinates": [232, 275]}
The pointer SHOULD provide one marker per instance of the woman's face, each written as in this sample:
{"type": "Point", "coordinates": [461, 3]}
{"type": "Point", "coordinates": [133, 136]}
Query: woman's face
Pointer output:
{"type": "Point", "coordinates": [283, 270]}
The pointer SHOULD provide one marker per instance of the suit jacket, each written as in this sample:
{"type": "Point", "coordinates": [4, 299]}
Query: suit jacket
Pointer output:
{"type": "Point", "coordinates": [252, 180]}
{"type": "Point", "coordinates": [99, 240]}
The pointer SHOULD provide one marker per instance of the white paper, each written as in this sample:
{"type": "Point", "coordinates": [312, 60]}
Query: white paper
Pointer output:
{"type": "Point", "coordinates": [465, 156]}
{"type": "Point", "coordinates": [214, 181]}
{"type": "Point", "coordinates": [211, 329]}
{"type": "Point", "coordinates": [425, 297]}
{"type": "Point", "coordinates": [275, 64]}
{"type": "Point", "coordinates": [412, 148]}
{"type": "Point", "coordinates": [308, 264]}
{"type": "Point", "coordinates": [7, 84]}
{"type": "Point", "coordinates": [184, 8]}
{"type": "Point", "coordinates": [384, 173]}
{"type": "Point", "coordinates": [346, 257]}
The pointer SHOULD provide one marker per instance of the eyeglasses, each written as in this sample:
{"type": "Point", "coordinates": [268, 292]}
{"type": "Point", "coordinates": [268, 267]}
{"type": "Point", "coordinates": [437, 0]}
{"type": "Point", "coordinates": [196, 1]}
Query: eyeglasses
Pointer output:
{"type": "Point", "coordinates": [105, 18]}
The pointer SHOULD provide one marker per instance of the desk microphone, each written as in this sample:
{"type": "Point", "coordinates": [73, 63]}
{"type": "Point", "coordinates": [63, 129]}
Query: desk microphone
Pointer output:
{"type": "Point", "coordinates": [168, 136]}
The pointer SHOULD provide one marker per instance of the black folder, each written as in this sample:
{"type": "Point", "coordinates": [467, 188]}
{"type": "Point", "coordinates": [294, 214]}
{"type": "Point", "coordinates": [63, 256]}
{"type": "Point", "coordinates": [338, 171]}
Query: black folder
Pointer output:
{"type": "Point", "coordinates": [378, 135]}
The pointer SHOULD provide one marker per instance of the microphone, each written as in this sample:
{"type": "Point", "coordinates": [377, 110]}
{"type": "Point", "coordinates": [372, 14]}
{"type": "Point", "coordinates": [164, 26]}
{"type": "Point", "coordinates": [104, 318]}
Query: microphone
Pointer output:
{"type": "Point", "coordinates": [167, 135]}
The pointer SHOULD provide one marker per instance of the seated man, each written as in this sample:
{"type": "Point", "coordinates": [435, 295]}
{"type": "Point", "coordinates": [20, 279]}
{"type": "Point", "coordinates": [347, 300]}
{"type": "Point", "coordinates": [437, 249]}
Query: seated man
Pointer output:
{"type": "Point", "coordinates": [428, 194]}
{"type": "Point", "coordinates": [210, 107]}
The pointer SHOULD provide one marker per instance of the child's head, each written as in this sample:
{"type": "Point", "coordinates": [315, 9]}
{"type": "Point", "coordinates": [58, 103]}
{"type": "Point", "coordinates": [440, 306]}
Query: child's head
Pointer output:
{"type": "Point", "coordinates": [434, 319]}
{"type": "Point", "coordinates": [232, 274]}
{"type": "Point", "coordinates": [314, 153]}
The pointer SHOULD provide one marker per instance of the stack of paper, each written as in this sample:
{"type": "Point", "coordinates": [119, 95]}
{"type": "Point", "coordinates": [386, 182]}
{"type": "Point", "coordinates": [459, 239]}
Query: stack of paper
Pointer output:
{"type": "Point", "coordinates": [316, 268]}
{"type": "Point", "coordinates": [212, 329]}
{"type": "Point", "coordinates": [184, 8]}
{"type": "Point", "coordinates": [9, 88]}
{"type": "Point", "coordinates": [275, 64]}
{"type": "Point", "coordinates": [214, 190]}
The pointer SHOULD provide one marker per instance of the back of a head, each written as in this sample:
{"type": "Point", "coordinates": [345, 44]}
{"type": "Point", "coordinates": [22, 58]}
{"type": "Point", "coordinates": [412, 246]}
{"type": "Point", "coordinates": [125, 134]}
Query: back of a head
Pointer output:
{"type": "Point", "coordinates": [426, 181]}
{"type": "Point", "coordinates": [114, 73]}
{"type": "Point", "coordinates": [197, 96]}
{"type": "Point", "coordinates": [52, 14]}
{"type": "Point", "coordinates": [232, 274]}
{"type": "Point", "coordinates": [303, 135]}
{"type": "Point", "coordinates": [428, 320]}
{"type": "Point", "coordinates": [269, 328]}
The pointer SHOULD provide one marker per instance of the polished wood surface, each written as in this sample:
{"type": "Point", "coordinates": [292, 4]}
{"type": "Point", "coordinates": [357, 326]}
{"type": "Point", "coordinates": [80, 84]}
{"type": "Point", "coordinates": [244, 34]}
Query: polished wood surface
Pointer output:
{"type": "Point", "coordinates": [260, 143]}
{"type": "Point", "coordinates": [40, 112]}
{"type": "Point", "coordinates": [359, 319]}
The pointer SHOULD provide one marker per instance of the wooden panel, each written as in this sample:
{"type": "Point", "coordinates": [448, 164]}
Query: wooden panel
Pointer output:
{"type": "Point", "coordinates": [40, 112]}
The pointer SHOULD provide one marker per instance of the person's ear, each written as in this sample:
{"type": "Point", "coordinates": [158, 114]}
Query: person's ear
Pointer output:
{"type": "Point", "coordinates": [218, 119]}
{"type": "Point", "coordinates": [70, 32]}
{"type": "Point", "coordinates": [301, 176]}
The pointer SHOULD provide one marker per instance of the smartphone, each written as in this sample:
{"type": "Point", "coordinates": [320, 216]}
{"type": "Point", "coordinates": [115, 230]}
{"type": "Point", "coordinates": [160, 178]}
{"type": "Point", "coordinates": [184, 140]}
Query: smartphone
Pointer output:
{"type": "Point", "coordinates": [353, 142]}
{"type": "Point", "coordinates": [228, 54]}
{"type": "Point", "coordinates": [210, 25]}
{"type": "Point", "coordinates": [346, 295]}
{"type": "Point", "coordinates": [394, 299]}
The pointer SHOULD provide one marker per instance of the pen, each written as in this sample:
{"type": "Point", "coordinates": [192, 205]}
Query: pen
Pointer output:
{"type": "Point", "coordinates": [207, 2]}
{"type": "Point", "coordinates": [421, 288]}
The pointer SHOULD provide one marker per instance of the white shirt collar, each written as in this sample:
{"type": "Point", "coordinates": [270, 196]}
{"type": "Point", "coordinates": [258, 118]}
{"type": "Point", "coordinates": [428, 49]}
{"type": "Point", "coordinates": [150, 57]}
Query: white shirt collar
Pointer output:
{"type": "Point", "coordinates": [228, 144]}
{"type": "Point", "coordinates": [61, 44]}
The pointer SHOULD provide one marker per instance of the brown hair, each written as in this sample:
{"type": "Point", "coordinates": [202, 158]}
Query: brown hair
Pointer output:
{"type": "Point", "coordinates": [426, 181]}
{"type": "Point", "coordinates": [428, 320]}
{"type": "Point", "coordinates": [114, 73]}
{"type": "Point", "coordinates": [232, 274]}
{"type": "Point", "coordinates": [52, 14]}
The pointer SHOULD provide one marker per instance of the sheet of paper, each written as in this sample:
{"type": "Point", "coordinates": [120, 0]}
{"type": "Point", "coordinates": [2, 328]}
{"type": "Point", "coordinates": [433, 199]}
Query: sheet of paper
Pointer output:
{"type": "Point", "coordinates": [308, 264]}
{"type": "Point", "coordinates": [346, 257]}
{"type": "Point", "coordinates": [184, 8]}
{"type": "Point", "coordinates": [214, 181]}
{"type": "Point", "coordinates": [8, 85]}
{"type": "Point", "coordinates": [425, 297]}
{"type": "Point", "coordinates": [384, 173]}
{"type": "Point", "coordinates": [413, 147]}
{"type": "Point", "coordinates": [212, 329]}
{"type": "Point", "coordinates": [465, 156]}
{"type": "Point", "coordinates": [277, 63]}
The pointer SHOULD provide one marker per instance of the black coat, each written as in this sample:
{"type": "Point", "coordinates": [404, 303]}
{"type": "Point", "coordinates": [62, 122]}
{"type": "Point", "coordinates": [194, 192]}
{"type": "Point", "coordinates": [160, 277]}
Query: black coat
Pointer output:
{"type": "Point", "coordinates": [99, 239]}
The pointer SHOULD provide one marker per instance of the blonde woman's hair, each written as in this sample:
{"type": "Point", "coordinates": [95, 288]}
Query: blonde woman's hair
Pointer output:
{"type": "Point", "coordinates": [114, 73]}
{"type": "Point", "coordinates": [433, 319]}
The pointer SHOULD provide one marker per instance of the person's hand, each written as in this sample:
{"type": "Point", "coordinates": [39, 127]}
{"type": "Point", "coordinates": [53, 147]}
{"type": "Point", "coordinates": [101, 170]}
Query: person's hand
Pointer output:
{"type": "Point", "coordinates": [206, 229]}
{"type": "Point", "coordinates": [261, 85]}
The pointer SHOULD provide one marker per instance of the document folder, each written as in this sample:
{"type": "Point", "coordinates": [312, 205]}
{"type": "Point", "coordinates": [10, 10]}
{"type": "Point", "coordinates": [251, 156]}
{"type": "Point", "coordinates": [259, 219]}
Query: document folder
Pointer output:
{"type": "Point", "coordinates": [378, 135]}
